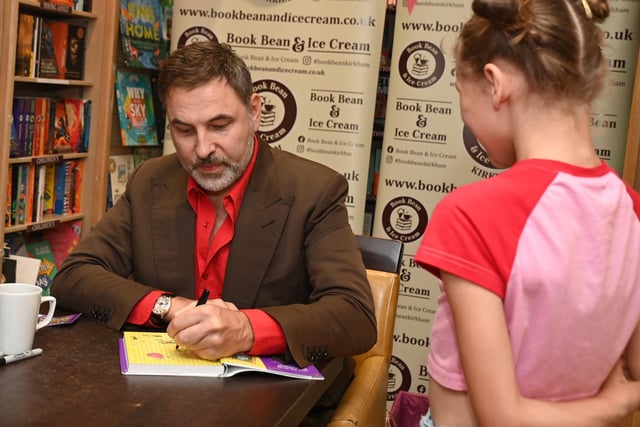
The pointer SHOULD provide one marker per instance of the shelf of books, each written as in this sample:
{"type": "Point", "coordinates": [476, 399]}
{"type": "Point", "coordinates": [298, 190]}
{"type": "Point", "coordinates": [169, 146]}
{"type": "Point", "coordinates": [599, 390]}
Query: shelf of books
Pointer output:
{"type": "Point", "coordinates": [55, 116]}
{"type": "Point", "coordinates": [138, 117]}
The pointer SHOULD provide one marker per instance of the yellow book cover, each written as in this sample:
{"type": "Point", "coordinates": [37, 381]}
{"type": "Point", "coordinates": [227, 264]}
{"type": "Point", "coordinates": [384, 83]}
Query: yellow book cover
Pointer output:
{"type": "Point", "coordinates": [155, 353]}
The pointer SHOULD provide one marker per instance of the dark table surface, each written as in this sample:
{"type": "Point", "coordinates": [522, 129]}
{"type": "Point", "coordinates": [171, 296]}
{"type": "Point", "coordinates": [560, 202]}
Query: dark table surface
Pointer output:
{"type": "Point", "coordinates": [77, 381]}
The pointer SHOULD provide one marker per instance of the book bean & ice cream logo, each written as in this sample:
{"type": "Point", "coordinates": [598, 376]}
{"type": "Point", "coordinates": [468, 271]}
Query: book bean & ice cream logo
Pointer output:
{"type": "Point", "coordinates": [279, 110]}
{"type": "Point", "coordinates": [196, 34]}
{"type": "Point", "coordinates": [421, 64]}
{"type": "Point", "coordinates": [405, 219]}
{"type": "Point", "coordinates": [399, 378]}
{"type": "Point", "coordinates": [475, 149]}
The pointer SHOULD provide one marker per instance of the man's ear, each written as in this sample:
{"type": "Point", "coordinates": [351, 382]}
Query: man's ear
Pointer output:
{"type": "Point", "coordinates": [498, 84]}
{"type": "Point", "coordinates": [256, 110]}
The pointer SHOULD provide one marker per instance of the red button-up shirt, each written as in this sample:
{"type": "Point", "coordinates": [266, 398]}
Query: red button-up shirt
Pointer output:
{"type": "Point", "coordinates": [212, 254]}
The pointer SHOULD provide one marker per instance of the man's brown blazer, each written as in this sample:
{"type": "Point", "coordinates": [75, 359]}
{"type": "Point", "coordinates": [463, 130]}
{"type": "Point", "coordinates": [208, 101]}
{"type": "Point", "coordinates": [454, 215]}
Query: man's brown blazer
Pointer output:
{"type": "Point", "coordinates": [293, 254]}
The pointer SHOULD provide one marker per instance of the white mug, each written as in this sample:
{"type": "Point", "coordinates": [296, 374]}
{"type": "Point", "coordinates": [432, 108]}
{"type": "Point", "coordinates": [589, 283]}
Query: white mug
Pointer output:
{"type": "Point", "coordinates": [19, 308]}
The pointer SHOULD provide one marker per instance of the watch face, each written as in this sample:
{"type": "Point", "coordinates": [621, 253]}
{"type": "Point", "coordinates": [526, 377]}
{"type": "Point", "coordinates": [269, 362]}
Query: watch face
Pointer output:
{"type": "Point", "coordinates": [162, 305]}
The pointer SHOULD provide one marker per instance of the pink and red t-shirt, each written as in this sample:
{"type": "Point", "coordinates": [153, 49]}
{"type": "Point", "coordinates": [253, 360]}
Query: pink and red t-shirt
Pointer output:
{"type": "Point", "coordinates": [560, 245]}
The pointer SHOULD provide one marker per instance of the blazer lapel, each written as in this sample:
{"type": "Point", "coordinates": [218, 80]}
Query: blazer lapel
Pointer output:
{"type": "Point", "coordinates": [173, 223]}
{"type": "Point", "coordinates": [260, 223]}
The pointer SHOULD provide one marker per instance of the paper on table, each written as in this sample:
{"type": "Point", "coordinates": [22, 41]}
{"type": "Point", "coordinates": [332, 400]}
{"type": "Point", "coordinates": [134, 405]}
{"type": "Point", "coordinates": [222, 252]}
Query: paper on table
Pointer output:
{"type": "Point", "coordinates": [26, 269]}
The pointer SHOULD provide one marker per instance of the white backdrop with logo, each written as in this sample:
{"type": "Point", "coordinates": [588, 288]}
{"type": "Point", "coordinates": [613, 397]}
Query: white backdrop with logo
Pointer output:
{"type": "Point", "coordinates": [315, 64]}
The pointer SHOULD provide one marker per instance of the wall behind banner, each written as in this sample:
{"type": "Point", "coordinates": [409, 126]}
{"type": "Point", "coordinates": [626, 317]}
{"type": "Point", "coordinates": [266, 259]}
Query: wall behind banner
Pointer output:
{"type": "Point", "coordinates": [427, 151]}
{"type": "Point", "coordinates": [315, 64]}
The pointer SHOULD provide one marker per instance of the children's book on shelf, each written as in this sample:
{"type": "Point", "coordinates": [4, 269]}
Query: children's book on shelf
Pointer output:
{"type": "Point", "coordinates": [141, 32]}
{"type": "Point", "coordinates": [63, 239]}
{"type": "Point", "coordinates": [52, 52]}
{"type": "Point", "coordinates": [155, 353]}
{"type": "Point", "coordinates": [7, 207]}
{"type": "Point", "coordinates": [120, 168]}
{"type": "Point", "coordinates": [75, 51]}
{"type": "Point", "coordinates": [60, 137]}
{"type": "Point", "coordinates": [14, 150]}
{"type": "Point", "coordinates": [25, 55]}
{"type": "Point", "coordinates": [41, 250]}
{"type": "Point", "coordinates": [135, 109]}
{"type": "Point", "coordinates": [74, 110]}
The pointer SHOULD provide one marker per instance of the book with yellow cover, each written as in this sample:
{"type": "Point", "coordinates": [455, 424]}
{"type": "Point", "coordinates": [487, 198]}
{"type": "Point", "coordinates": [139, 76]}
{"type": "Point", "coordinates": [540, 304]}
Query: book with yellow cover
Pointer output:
{"type": "Point", "coordinates": [155, 353]}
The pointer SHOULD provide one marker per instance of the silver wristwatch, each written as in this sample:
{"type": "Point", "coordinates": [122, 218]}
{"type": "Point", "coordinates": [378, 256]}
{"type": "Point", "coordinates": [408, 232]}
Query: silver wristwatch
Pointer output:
{"type": "Point", "coordinates": [162, 306]}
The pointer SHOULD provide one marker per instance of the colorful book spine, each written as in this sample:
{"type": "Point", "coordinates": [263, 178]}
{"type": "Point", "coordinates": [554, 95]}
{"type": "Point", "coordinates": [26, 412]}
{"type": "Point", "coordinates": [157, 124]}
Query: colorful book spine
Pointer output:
{"type": "Point", "coordinates": [31, 189]}
{"type": "Point", "coordinates": [60, 183]}
{"type": "Point", "coordinates": [7, 211]}
{"type": "Point", "coordinates": [31, 123]}
{"type": "Point", "coordinates": [49, 187]}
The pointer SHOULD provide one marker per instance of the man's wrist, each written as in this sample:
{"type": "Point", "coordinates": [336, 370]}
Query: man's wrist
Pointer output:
{"type": "Point", "coordinates": [161, 308]}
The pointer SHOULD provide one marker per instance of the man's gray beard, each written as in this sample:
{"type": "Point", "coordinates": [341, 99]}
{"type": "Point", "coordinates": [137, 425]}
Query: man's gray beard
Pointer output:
{"type": "Point", "coordinates": [220, 181]}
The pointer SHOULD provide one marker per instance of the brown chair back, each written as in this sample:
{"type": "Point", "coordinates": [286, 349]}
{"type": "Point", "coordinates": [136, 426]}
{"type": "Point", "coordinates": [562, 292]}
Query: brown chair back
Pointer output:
{"type": "Point", "coordinates": [364, 402]}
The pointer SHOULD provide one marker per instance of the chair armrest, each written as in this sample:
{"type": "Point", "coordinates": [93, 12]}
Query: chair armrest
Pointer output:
{"type": "Point", "coordinates": [364, 402]}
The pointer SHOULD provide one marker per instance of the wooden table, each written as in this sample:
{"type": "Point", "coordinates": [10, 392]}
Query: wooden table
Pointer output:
{"type": "Point", "coordinates": [77, 381]}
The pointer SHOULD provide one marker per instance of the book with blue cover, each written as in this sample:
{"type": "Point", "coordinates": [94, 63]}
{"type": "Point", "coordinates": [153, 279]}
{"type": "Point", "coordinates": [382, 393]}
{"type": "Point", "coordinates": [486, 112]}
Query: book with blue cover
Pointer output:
{"type": "Point", "coordinates": [135, 109]}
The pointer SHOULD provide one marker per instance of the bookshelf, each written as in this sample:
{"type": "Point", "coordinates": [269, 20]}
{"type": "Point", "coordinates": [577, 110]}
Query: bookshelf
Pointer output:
{"type": "Point", "coordinates": [96, 85]}
{"type": "Point", "coordinates": [630, 172]}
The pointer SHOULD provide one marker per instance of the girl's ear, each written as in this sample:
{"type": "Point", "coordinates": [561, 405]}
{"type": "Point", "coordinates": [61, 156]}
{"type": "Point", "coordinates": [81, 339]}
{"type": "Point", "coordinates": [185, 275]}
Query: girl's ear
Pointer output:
{"type": "Point", "coordinates": [498, 84]}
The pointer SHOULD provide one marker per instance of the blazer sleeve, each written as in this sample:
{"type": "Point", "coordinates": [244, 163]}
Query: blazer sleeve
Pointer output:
{"type": "Point", "coordinates": [339, 318]}
{"type": "Point", "coordinates": [96, 279]}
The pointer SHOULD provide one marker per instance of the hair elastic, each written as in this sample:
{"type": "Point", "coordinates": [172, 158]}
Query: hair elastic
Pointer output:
{"type": "Point", "coordinates": [587, 9]}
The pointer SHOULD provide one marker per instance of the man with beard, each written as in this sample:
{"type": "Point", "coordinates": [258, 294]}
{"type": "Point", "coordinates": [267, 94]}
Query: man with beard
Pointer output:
{"type": "Point", "coordinates": [264, 231]}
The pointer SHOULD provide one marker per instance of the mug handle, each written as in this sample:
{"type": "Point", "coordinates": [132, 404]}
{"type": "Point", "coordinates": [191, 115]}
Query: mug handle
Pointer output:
{"type": "Point", "coordinates": [52, 307]}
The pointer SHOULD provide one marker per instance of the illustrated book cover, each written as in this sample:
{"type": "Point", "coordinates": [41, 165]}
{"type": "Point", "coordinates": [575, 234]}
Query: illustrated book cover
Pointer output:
{"type": "Point", "coordinates": [25, 55]}
{"type": "Point", "coordinates": [63, 239]}
{"type": "Point", "coordinates": [41, 250]}
{"type": "Point", "coordinates": [135, 109]}
{"type": "Point", "coordinates": [120, 168]}
{"type": "Point", "coordinates": [155, 353]}
{"type": "Point", "coordinates": [141, 32]}
{"type": "Point", "coordinates": [75, 51]}
{"type": "Point", "coordinates": [52, 56]}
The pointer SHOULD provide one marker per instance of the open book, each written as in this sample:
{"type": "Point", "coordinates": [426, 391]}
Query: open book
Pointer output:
{"type": "Point", "coordinates": [155, 353]}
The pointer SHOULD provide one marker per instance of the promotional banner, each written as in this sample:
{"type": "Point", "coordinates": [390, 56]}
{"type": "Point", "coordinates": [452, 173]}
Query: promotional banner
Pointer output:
{"type": "Point", "coordinates": [315, 64]}
{"type": "Point", "coordinates": [610, 116]}
{"type": "Point", "coordinates": [428, 152]}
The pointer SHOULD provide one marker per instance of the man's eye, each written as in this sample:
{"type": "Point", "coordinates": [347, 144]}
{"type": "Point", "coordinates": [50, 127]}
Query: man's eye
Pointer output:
{"type": "Point", "coordinates": [219, 125]}
{"type": "Point", "coordinates": [183, 131]}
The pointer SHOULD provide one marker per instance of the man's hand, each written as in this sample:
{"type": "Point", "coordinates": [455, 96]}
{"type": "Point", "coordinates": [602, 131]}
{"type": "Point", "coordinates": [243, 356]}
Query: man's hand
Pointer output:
{"type": "Point", "coordinates": [211, 331]}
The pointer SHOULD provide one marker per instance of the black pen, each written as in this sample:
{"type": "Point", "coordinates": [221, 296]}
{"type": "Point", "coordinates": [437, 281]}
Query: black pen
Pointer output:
{"type": "Point", "coordinates": [204, 296]}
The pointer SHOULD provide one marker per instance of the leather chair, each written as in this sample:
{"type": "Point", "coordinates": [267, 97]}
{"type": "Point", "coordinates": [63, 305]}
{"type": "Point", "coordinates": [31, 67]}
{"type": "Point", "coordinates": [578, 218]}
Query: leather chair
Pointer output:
{"type": "Point", "coordinates": [364, 402]}
{"type": "Point", "coordinates": [381, 254]}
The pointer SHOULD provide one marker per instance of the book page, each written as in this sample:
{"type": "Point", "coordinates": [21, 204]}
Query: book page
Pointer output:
{"type": "Point", "coordinates": [157, 348]}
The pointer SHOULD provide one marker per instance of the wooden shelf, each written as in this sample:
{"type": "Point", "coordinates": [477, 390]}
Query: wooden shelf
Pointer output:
{"type": "Point", "coordinates": [100, 53]}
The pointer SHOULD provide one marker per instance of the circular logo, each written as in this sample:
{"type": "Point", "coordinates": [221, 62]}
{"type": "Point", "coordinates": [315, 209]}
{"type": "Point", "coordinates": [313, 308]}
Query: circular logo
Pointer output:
{"type": "Point", "coordinates": [405, 219]}
{"type": "Point", "coordinates": [421, 64]}
{"type": "Point", "coordinates": [399, 378]}
{"type": "Point", "coordinates": [475, 149]}
{"type": "Point", "coordinates": [279, 110]}
{"type": "Point", "coordinates": [194, 35]}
